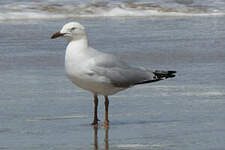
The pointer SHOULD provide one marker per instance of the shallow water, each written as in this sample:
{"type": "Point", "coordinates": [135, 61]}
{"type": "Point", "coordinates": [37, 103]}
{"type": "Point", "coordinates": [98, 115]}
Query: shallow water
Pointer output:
{"type": "Point", "coordinates": [41, 109]}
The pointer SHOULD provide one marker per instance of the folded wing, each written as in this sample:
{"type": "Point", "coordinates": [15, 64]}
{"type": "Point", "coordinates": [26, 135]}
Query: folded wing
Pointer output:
{"type": "Point", "coordinates": [121, 74]}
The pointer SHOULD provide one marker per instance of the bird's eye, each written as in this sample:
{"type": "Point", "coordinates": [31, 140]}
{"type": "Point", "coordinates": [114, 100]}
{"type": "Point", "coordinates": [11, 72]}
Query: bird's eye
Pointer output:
{"type": "Point", "coordinates": [73, 28]}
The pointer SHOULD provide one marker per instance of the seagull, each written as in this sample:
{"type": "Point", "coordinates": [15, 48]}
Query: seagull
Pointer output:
{"type": "Point", "coordinates": [101, 73]}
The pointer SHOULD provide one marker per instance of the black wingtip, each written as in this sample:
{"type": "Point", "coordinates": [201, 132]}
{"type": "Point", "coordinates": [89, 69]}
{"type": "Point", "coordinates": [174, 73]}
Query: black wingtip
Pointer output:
{"type": "Point", "coordinates": [159, 75]}
{"type": "Point", "coordinates": [164, 74]}
{"type": "Point", "coordinates": [171, 74]}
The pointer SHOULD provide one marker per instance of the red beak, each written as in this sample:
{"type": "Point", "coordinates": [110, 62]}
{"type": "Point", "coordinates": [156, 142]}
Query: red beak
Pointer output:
{"type": "Point", "coordinates": [56, 35]}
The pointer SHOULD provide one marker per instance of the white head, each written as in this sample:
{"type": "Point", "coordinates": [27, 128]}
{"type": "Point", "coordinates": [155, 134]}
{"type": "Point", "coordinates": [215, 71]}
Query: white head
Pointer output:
{"type": "Point", "coordinates": [71, 31]}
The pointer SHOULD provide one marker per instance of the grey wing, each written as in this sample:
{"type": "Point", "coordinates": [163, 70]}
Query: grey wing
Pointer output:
{"type": "Point", "coordinates": [119, 73]}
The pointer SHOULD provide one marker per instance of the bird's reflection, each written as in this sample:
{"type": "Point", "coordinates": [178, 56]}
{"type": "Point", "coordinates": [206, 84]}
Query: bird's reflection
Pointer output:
{"type": "Point", "coordinates": [106, 140]}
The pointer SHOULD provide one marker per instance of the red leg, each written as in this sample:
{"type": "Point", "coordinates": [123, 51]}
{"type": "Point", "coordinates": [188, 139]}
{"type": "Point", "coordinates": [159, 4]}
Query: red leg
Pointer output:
{"type": "Point", "coordinates": [106, 122]}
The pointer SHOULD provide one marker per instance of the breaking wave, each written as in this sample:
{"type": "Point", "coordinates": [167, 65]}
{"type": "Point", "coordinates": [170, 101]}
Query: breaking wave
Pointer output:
{"type": "Point", "coordinates": [32, 10]}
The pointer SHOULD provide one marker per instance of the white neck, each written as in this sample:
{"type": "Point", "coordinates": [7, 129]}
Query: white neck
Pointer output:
{"type": "Point", "coordinates": [75, 50]}
{"type": "Point", "coordinates": [75, 54]}
{"type": "Point", "coordinates": [80, 44]}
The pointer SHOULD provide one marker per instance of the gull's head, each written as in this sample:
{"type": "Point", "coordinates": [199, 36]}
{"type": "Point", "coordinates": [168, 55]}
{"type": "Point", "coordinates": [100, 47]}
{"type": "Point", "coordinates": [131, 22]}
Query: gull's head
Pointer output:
{"type": "Point", "coordinates": [71, 31]}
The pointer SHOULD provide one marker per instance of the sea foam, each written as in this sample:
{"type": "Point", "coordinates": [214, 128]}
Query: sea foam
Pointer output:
{"type": "Point", "coordinates": [32, 10]}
